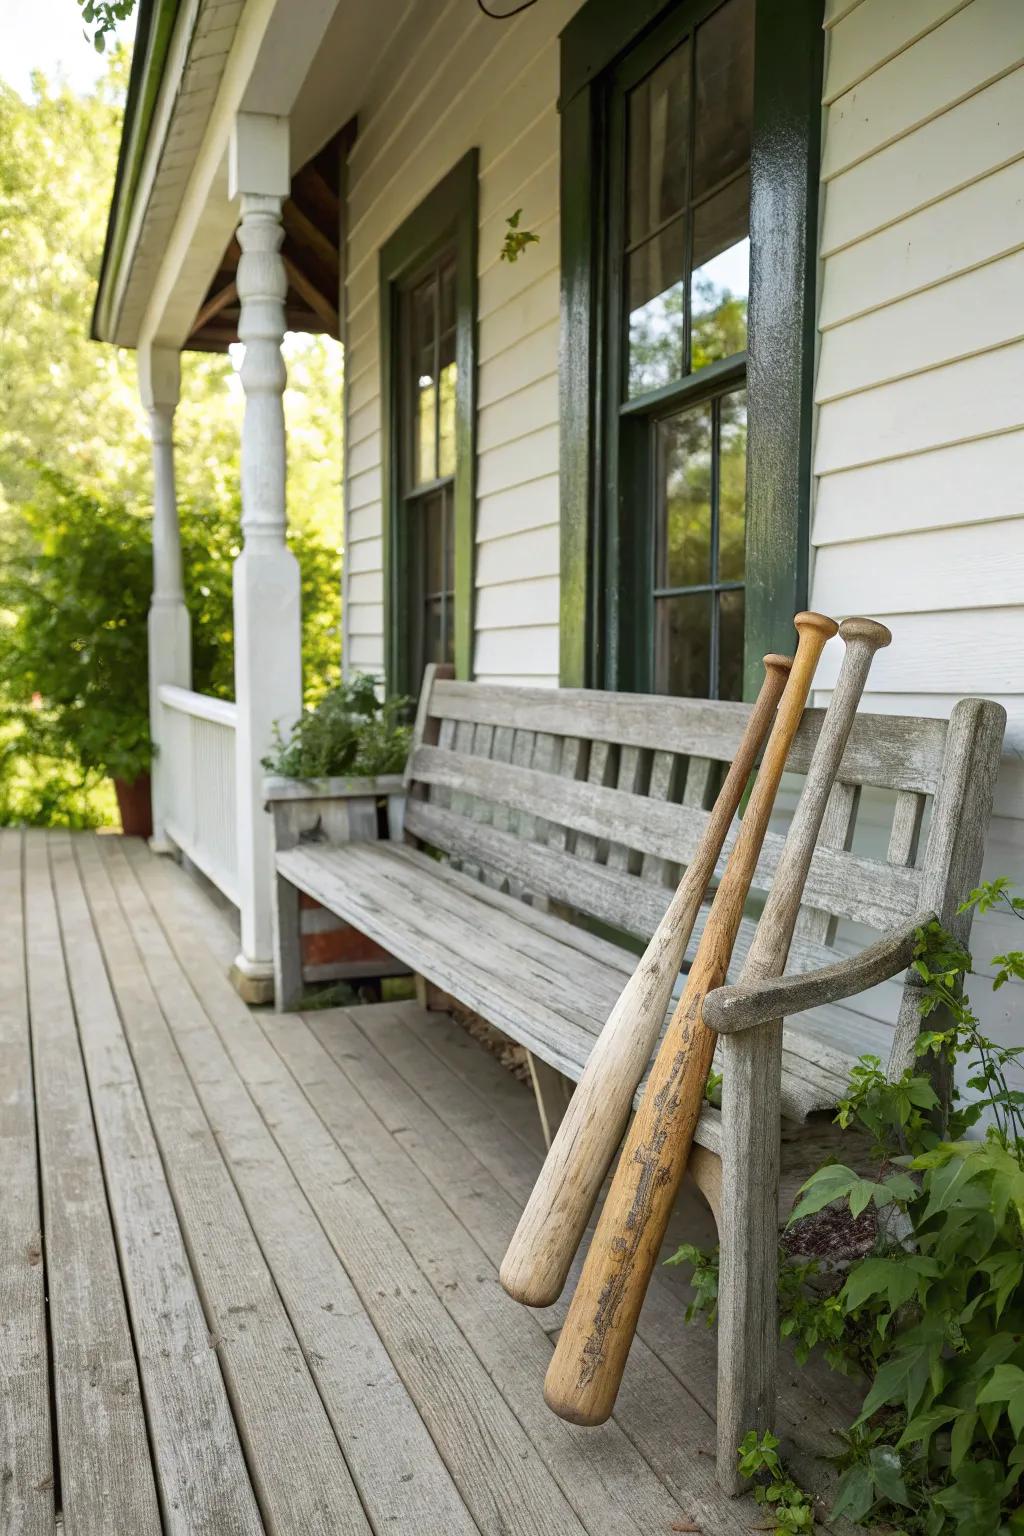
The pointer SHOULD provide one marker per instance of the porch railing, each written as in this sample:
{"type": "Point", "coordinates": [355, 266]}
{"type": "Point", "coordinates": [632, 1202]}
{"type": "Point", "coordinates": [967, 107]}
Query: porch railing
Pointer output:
{"type": "Point", "coordinates": [197, 771]}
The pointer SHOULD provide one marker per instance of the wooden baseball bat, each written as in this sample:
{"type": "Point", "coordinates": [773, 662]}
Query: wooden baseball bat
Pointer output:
{"type": "Point", "coordinates": [586, 1368]}
{"type": "Point", "coordinates": [556, 1214]}
{"type": "Point", "coordinates": [750, 1091]}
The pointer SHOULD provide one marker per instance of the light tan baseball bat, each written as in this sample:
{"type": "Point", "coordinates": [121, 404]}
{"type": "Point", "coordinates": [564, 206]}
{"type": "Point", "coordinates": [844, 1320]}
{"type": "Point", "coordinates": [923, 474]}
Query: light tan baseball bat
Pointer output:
{"type": "Point", "coordinates": [559, 1207]}
{"type": "Point", "coordinates": [586, 1368]}
{"type": "Point", "coordinates": [750, 1088]}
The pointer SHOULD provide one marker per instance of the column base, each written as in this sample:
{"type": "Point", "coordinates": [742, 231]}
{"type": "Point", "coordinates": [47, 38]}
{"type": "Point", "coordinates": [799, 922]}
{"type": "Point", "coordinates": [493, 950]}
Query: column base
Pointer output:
{"type": "Point", "coordinates": [162, 845]}
{"type": "Point", "coordinates": [253, 980]}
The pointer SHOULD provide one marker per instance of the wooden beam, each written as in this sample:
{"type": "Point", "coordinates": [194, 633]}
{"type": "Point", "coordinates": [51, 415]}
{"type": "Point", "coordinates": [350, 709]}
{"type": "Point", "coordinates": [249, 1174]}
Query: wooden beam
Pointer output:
{"type": "Point", "coordinates": [306, 232]}
{"type": "Point", "coordinates": [213, 306]}
{"type": "Point", "coordinates": [307, 290]}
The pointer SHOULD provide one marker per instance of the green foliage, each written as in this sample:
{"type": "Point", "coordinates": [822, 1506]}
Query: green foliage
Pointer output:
{"type": "Point", "coordinates": [704, 1302]}
{"type": "Point", "coordinates": [935, 1315]}
{"type": "Point", "coordinates": [349, 733]}
{"type": "Point", "coordinates": [516, 240]}
{"type": "Point", "coordinates": [790, 1507]}
{"type": "Point", "coordinates": [75, 576]}
{"type": "Point", "coordinates": [103, 16]}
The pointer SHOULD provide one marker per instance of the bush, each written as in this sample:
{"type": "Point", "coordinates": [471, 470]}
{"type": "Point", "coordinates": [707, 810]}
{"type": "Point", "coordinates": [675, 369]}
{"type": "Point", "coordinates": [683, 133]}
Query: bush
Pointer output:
{"type": "Point", "coordinates": [75, 580]}
{"type": "Point", "coordinates": [350, 732]}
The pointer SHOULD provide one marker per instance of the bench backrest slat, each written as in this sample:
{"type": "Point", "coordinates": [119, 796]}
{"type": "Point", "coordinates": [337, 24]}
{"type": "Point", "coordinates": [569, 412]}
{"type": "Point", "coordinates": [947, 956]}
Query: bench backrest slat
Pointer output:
{"type": "Point", "coordinates": [594, 802]}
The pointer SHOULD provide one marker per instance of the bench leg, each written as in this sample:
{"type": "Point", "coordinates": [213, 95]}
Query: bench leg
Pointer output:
{"type": "Point", "coordinates": [429, 996]}
{"type": "Point", "coordinates": [749, 1235]}
{"type": "Point", "coordinates": [552, 1091]}
{"type": "Point", "coordinates": [287, 946]}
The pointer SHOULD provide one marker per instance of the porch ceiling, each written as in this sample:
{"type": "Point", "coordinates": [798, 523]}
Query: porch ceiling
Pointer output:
{"type": "Point", "coordinates": [311, 251]}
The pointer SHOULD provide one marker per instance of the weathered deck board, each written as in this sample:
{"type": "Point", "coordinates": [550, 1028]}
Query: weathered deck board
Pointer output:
{"type": "Point", "coordinates": [402, 1480]}
{"type": "Point", "coordinates": [294, 1226]}
{"type": "Point", "coordinates": [105, 1474]}
{"type": "Point", "coordinates": [290, 1450]}
{"type": "Point", "coordinates": [26, 1460]}
{"type": "Point", "coordinates": [500, 1475]}
{"type": "Point", "coordinates": [362, 1044]}
{"type": "Point", "coordinates": [198, 1461]}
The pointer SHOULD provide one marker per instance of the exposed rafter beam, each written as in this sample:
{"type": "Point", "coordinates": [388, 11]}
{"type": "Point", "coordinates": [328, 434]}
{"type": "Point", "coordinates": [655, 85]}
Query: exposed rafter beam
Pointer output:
{"type": "Point", "coordinates": [307, 290]}
{"type": "Point", "coordinates": [213, 306]}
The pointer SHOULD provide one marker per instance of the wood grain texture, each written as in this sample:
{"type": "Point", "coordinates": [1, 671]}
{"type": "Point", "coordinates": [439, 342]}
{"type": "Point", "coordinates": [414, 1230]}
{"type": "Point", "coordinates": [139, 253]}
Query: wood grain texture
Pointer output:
{"type": "Point", "coordinates": [106, 1475]}
{"type": "Point", "coordinates": [589, 1359]}
{"type": "Point", "coordinates": [751, 1094]}
{"type": "Point", "coordinates": [291, 1453]}
{"type": "Point", "coordinates": [549, 1231]}
{"type": "Point", "coordinates": [26, 1457]}
{"type": "Point", "coordinates": [198, 1460]}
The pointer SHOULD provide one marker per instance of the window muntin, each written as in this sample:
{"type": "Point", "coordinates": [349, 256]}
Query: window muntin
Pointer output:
{"type": "Point", "coordinates": [680, 134]}
{"type": "Point", "coordinates": [429, 373]}
{"type": "Point", "coordinates": [687, 203]}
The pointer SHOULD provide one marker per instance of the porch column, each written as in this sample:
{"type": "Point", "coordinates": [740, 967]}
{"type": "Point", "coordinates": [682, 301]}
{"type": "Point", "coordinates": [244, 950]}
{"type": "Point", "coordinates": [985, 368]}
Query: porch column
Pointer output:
{"type": "Point", "coordinates": [169, 626]}
{"type": "Point", "coordinates": [268, 664]}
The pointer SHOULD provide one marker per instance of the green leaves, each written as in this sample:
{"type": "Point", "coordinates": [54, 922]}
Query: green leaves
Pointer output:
{"type": "Point", "coordinates": [349, 732]}
{"type": "Point", "coordinates": [704, 1281]}
{"type": "Point", "coordinates": [516, 240]}
{"type": "Point", "coordinates": [790, 1507]}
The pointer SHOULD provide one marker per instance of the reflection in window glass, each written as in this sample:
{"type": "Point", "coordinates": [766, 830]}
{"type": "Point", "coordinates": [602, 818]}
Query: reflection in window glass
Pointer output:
{"type": "Point", "coordinates": [659, 131]}
{"type": "Point", "coordinates": [725, 95]}
{"type": "Point", "coordinates": [721, 275]}
{"type": "Point", "coordinates": [700, 533]}
{"type": "Point", "coordinates": [656, 301]}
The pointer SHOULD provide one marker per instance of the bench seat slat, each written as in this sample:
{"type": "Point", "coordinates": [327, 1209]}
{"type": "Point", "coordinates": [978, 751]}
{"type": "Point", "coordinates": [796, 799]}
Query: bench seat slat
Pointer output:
{"type": "Point", "coordinates": [529, 980]}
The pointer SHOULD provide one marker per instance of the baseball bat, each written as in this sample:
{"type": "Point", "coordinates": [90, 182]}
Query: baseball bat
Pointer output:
{"type": "Point", "coordinates": [751, 1078]}
{"type": "Point", "coordinates": [586, 1368]}
{"type": "Point", "coordinates": [556, 1214]}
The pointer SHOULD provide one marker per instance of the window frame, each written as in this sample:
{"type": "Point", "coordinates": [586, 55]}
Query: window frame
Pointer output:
{"type": "Point", "coordinates": [604, 639]}
{"type": "Point", "coordinates": [445, 219]}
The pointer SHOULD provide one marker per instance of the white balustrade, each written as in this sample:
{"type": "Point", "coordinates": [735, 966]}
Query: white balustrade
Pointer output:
{"type": "Point", "coordinates": [198, 774]}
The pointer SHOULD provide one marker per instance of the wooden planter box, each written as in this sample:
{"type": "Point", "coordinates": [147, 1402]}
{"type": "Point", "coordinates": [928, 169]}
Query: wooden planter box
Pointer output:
{"type": "Point", "coordinates": [333, 811]}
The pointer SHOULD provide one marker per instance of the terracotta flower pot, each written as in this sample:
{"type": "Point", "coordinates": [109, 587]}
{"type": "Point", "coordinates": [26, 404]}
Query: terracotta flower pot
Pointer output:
{"type": "Point", "coordinates": [135, 806]}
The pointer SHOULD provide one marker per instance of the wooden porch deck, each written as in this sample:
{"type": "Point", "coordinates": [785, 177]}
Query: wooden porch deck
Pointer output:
{"type": "Point", "coordinates": [248, 1263]}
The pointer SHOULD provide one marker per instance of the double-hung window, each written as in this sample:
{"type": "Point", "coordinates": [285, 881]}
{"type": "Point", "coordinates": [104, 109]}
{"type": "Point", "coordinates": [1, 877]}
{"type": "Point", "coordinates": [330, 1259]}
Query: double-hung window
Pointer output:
{"type": "Point", "coordinates": [428, 294]}
{"type": "Point", "coordinates": [683, 535]}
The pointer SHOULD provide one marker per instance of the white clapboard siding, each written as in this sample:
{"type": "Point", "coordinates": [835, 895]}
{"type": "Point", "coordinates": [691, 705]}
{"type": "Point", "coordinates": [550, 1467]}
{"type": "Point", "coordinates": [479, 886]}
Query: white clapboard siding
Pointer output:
{"type": "Point", "coordinates": [972, 313]}
{"type": "Point", "coordinates": [973, 47]}
{"type": "Point", "coordinates": [978, 566]}
{"type": "Point", "coordinates": [871, 35]}
{"type": "Point", "coordinates": [944, 154]}
{"type": "Point", "coordinates": [966, 230]}
{"type": "Point", "coordinates": [965, 400]}
{"type": "Point", "coordinates": [918, 513]}
{"type": "Point", "coordinates": [451, 80]}
{"type": "Point", "coordinates": [966, 483]}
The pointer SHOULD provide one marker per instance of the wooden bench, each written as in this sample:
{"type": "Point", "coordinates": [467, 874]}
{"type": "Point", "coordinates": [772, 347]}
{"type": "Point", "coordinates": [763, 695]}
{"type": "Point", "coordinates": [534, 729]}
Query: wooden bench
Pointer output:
{"type": "Point", "coordinates": [542, 823]}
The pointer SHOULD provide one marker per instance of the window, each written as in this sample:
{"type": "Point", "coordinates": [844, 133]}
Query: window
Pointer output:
{"type": "Point", "coordinates": [430, 370]}
{"type": "Point", "coordinates": [428, 277]}
{"type": "Point", "coordinates": [684, 560]}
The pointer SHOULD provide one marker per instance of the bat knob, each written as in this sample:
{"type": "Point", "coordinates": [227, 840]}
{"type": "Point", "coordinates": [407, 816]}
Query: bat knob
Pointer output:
{"type": "Point", "coordinates": [869, 631]}
{"type": "Point", "coordinates": [781, 664]}
{"type": "Point", "coordinates": [811, 622]}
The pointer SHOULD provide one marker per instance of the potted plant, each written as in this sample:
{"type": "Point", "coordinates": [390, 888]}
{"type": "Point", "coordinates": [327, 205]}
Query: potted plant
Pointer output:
{"type": "Point", "coordinates": [338, 778]}
{"type": "Point", "coordinates": [350, 748]}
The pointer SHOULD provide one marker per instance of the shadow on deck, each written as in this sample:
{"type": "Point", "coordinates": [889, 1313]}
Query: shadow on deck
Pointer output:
{"type": "Point", "coordinates": [266, 1297]}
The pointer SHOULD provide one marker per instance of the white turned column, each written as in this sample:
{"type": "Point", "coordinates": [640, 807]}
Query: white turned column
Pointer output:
{"type": "Point", "coordinates": [170, 635]}
{"type": "Point", "coordinates": [268, 663]}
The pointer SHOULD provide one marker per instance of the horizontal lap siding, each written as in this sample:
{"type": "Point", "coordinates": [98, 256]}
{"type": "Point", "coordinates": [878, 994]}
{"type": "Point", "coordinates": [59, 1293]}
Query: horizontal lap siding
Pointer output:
{"type": "Point", "coordinates": [443, 86]}
{"type": "Point", "coordinates": [919, 445]}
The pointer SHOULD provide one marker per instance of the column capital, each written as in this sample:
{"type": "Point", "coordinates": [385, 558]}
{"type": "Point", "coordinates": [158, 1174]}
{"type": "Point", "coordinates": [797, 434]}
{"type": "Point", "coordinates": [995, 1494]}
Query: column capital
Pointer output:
{"type": "Point", "coordinates": [159, 377]}
{"type": "Point", "coordinates": [258, 160]}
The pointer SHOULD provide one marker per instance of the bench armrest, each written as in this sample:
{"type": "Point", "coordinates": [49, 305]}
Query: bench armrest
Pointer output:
{"type": "Point", "coordinates": [731, 1009]}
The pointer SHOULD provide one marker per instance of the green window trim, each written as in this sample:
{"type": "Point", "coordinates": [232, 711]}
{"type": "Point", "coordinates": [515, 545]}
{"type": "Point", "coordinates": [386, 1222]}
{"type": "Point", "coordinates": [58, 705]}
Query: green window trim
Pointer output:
{"type": "Point", "coordinates": [447, 217]}
{"type": "Point", "coordinates": [788, 50]}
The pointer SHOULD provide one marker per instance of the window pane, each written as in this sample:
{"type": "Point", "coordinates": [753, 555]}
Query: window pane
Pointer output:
{"type": "Point", "coordinates": [431, 512]}
{"type": "Point", "coordinates": [424, 392]}
{"type": "Point", "coordinates": [730, 645]}
{"type": "Point", "coordinates": [683, 645]}
{"type": "Point", "coordinates": [721, 275]}
{"type": "Point", "coordinates": [655, 304]}
{"type": "Point", "coordinates": [732, 488]}
{"type": "Point", "coordinates": [725, 94]}
{"type": "Point", "coordinates": [436, 647]}
{"type": "Point", "coordinates": [658, 128]}
{"type": "Point", "coordinates": [448, 514]}
{"type": "Point", "coordinates": [446, 422]}
{"type": "Point", "coordinates": [685, 496]}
